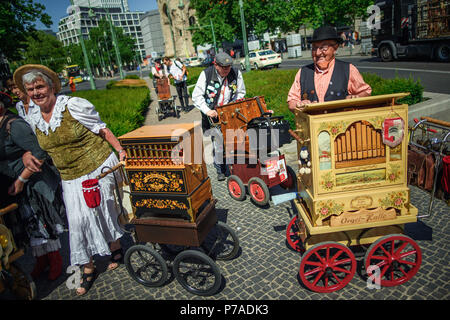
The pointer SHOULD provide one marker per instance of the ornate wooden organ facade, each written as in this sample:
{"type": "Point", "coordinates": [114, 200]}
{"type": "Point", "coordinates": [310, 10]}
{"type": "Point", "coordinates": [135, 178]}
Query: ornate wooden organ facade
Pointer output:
{"type": "Point", "coordinates": [166, 171]}
{"type": "Point", "coordinates": [352, 171]}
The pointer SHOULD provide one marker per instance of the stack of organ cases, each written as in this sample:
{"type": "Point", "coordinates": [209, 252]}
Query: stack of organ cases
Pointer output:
{"type": "Point", "coordinates": [166, 171]}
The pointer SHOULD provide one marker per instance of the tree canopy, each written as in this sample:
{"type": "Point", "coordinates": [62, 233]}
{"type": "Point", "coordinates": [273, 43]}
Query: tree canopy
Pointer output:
{"type": "Point", "coordinates": [271, 15]}
{"type": "Point", "coordinates": [17, 18]}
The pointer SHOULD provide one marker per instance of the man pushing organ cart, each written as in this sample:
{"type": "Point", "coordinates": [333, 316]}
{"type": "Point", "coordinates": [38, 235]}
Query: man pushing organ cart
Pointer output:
{"type": "Point", "coordinates": [355, 195]}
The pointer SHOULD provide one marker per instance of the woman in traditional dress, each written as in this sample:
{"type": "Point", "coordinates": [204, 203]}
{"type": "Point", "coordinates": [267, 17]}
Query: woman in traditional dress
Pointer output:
{"type": "Point", "coordinates": [71, 131]}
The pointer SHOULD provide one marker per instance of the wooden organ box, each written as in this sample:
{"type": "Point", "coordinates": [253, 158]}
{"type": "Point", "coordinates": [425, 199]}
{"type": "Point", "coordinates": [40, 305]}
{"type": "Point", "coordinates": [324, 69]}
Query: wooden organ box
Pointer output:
{"type": "Point", "coordinates": [166, 171]}
{"type": "Point", "coordinates": [354, 177]}
{"type": "Point", "coordinates": [235, 120]}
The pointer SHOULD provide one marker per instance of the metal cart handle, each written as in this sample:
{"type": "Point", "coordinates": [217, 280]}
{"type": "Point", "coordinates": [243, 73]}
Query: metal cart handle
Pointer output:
{"type": "Point", "coordinates": [436, 121]}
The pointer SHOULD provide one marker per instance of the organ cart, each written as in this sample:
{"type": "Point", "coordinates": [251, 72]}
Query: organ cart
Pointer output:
{"type": "Point", "coordinates": [166, 102]}
{"type": "Point", "coordinates": [173, 207]}
{"type": "Point", "coordinates": [251, 139]}
{"type": "Point", "coordinates": [356, 195]}
{"type": "Point", "coordinates": [12, 276]}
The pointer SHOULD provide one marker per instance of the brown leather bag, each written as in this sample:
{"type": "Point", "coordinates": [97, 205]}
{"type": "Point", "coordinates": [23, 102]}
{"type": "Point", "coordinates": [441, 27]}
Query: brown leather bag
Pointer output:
{"type": "Point", "coordinates": [416, 166]}
{"type": "Point", "coordinates": [429, 171]}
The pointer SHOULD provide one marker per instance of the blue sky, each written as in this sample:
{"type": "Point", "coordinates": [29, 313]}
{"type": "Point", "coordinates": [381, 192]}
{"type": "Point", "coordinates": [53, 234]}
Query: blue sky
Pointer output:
{"type": "Point", "coordinates": [57, 9]}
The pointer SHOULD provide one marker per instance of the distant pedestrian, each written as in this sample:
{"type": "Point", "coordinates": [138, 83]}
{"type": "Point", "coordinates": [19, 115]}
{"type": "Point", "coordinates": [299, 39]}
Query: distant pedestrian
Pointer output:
{"type": "Point", "coordinates": [72, 84]}
{"type": "Point", "coordinates": [178, 72]}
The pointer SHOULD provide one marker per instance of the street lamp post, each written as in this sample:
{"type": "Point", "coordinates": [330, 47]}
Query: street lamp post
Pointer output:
{"type": "Point", "coordinates": [244, 37]}
{"type": "Point", "coordinates": [116, 46]}
{"type": "Point", "coordinates": [86, 58]}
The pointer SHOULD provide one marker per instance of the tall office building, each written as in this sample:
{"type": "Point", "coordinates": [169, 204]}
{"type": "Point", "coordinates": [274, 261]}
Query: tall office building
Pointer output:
{"type": "Point", "coordinates": [152, 33]}
{"type": "Point", "coordinates": [128, 21]}
{"type": "Point", "coordinates": [123, 4]}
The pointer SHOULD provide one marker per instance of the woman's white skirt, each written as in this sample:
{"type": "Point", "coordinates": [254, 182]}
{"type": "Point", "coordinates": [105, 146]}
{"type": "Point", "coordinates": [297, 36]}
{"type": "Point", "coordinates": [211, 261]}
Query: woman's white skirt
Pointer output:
{"type": "Point", "coordinates": [92, 229]}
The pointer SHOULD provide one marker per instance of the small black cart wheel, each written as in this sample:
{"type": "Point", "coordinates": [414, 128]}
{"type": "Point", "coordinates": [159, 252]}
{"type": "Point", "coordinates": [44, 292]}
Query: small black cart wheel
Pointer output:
{"type": "Point", "coordinates": [146, 266]}
{"type": "Point", "coordinates": [243, 67]}
{"type": "Point", "coordinates": [197, 273]}
{"type": "Point", "coordinates": [176, 111]}
{"type": "Point", "coordinates": [23, 286]}
{"type": "Point", "coordinates": [255, 65]}
{"type": "Point", "coordinates": [224, 242]}
{"type": "Point", "coordinates": [259, 192]}
{"type": "Point", "coordinates": [236, 188]}
{"type": "Point", "coordinates": [291, 182]}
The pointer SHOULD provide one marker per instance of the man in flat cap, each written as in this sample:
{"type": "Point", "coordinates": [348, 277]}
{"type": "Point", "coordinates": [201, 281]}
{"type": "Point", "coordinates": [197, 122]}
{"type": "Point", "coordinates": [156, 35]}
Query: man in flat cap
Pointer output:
{"type": "Point", "coordinates": [217, 85]}
{"type": "Point", "coordinates": [327, 78]}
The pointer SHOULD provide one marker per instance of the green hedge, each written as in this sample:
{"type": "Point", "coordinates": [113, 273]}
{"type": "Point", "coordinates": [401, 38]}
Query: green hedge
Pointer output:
{"type": "Point", "coordinates": [275, 84]}
{"type": "Point", "coordinates": [122, 109]}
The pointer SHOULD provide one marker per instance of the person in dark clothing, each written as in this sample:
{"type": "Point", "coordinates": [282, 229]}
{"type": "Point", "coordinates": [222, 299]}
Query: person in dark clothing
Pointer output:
{"type": "Point", "coordinates": [178, 72]}
{"type": "Point", "coordinates": [42, 211]}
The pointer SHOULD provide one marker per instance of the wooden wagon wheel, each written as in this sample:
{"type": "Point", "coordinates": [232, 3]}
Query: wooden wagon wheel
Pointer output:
{"type": "Point", "coordinates": [327, 267]}
{"type": "Point", "coordinates": [259, 191]}
{"type": "Point", "coordinates": [292, 235]}
{"type": "Point", "coordinates": [236, 188]}
{"type": "Point", "coordinates": [398, 257]}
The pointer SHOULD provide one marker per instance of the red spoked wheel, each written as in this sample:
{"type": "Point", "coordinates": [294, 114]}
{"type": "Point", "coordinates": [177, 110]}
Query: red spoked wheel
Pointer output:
{"type": "Point", "coordinates": [327, 267]}
{"type": "Point", "coordinates": [236, 188]}
{"type": "Point", "coordinates": [397, 256]}
{"type": "Point", "coordinates": [292, 235]}
{"type": "Point", "coordinates": [258, 191]}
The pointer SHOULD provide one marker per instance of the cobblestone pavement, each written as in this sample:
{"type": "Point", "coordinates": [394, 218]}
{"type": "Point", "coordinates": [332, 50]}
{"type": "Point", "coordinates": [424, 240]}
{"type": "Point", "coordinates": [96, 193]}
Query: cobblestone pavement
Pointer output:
{"type": "Point", "coordinates": [265, 268]}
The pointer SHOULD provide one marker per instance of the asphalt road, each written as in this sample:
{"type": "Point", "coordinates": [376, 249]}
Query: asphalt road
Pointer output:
{"type": "Point", "coordinates": [434, 76]}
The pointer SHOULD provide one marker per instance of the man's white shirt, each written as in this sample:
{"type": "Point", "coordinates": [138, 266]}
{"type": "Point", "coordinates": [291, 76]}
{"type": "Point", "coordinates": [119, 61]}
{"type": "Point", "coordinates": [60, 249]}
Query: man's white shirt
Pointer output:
{"type": "Point", "coordinates": [225, 93]}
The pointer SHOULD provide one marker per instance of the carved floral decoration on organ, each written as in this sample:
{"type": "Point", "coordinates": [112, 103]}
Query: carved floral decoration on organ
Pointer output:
{"type": "Point", "coordinates": [327, 181]}
{"type": "Point", "coordinates": [161, 204]}
{"type": "Point", "coordinates": [395, 199]}
{"type": "Point", "coordinates": [157, 181]}
{"type": "Point", "coordinates": [328, 208]}
{"type": "Point", "coordinates": [394, 173]}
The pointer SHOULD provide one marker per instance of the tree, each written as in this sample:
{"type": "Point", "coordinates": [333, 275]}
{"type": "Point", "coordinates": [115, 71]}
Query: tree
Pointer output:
{"type": "Point", "coordinates": [46, 49]}
{"type": "Point", "coordinates": [271, 15]}
{"type": "Point", "coordinates": [100, 47]}
{"type": "Point", "coordinates": [17, 19]}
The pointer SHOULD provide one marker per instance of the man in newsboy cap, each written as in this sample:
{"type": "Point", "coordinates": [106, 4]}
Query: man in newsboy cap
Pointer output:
{"type": "Point", "coordinates": [217, 85]}
{"type": "Point", "coordinates": [327, 78]}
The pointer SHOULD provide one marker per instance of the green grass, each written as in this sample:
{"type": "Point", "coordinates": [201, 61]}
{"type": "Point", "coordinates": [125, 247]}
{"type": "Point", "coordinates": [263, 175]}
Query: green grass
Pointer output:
{"type": "Point", "coordinates": [122, 109]}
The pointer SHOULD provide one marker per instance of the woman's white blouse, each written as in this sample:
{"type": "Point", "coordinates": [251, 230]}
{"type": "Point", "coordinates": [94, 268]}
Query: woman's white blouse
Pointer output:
{"type": "Point", "coordinates": [80, 109]}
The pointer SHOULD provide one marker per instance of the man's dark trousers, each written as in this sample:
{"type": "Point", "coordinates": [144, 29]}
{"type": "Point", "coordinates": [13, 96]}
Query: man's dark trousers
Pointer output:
{"type": "Point", "coordinates": [183, 93]}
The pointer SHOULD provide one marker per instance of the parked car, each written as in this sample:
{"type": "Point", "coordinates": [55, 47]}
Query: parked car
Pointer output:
{"type": "Point", "coordinates": [193, 62]}
{"type": "Point", "coordinates": [261, 59]}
